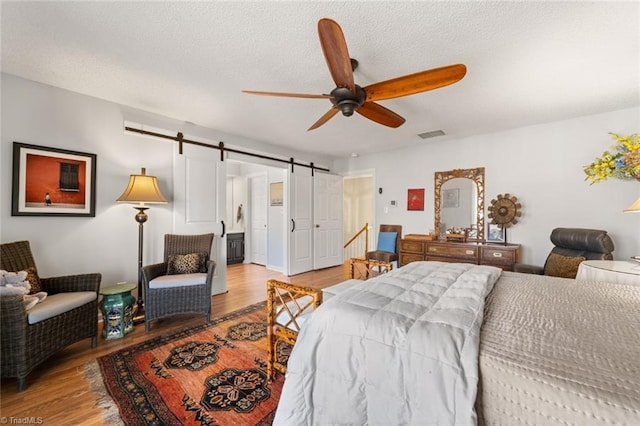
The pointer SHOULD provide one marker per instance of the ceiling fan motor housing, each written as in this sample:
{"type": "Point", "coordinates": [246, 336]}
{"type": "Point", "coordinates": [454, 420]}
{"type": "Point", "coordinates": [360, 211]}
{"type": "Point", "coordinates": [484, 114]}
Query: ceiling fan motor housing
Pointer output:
{"type": "Point", "coordinates": [347, 101]}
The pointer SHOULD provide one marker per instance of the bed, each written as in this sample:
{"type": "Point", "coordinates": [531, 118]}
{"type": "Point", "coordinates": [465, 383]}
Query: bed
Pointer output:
{"type": "Point", "coordinates": [413, 347]}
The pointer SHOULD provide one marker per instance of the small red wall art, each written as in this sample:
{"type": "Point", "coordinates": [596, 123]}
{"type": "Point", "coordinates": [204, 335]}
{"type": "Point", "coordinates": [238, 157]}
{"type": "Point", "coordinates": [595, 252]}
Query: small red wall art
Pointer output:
{"type": "Point", "coordinates": [415, 199]}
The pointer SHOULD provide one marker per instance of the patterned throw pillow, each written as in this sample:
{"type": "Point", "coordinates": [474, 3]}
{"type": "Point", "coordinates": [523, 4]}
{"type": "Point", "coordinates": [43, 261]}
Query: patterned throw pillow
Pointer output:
{"type": "Point", "coordinates": [34, 280]}
{"type": "Point", "coordinates": [186, 263]}
{"type": "Point", "coordinates": [563, 266]}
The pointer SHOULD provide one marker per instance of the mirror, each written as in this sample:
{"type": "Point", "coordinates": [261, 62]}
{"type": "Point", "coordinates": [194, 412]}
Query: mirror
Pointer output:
{"type": "Point", "coordinates": [459, 201]}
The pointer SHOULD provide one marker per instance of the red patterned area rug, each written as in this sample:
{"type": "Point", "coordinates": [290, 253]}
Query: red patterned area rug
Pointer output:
{"type": "Point", "coordinates": [207, 375]}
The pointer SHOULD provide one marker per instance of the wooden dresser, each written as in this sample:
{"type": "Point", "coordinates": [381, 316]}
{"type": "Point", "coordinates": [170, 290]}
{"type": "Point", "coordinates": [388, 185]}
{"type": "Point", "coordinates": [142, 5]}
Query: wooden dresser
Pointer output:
{"type": "Point", "coordinates": [415, 247]}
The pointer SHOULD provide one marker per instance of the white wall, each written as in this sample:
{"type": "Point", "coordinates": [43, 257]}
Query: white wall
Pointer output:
{"type": "Point", "coordinates": [541, 165]}
{"type": "Point", "coordinates": [108, 243]}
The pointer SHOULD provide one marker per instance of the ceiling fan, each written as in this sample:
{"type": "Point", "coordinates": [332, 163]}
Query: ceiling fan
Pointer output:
{"type": "Point", "coordinates": [348, 97]}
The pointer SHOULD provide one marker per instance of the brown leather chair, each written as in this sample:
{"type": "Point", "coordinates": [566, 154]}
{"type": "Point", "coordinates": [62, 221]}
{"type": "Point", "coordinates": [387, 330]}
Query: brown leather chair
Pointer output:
{"type": "Point", "coordinates": [385, 255]}
{"type": "Point", "coordinates": [572, 246]}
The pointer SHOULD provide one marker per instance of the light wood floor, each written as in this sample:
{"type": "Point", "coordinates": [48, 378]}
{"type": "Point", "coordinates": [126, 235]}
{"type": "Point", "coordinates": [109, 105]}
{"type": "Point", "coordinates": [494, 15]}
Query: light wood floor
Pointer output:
{"type": "Point", "coordinates": [57, 391]}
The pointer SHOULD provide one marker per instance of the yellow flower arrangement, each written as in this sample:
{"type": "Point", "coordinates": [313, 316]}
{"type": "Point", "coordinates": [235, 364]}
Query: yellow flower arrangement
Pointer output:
{"type": "Point", "coordinates": [622, 163]}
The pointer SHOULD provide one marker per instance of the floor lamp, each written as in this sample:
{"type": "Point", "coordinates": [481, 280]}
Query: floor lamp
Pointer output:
{"type": "Point", "coordinates": [141, 190]}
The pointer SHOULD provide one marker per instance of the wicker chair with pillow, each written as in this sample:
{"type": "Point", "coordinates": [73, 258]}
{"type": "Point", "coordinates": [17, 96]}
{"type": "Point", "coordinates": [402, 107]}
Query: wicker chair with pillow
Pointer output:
{"type": "Point", "coordinates": [68, 314]}
{"type": "Point", "coordinates": [571, 247]}
{"type": "Point", "coordinates": [388, 242]}
{"type": "Point", "coordinates": [182, 283]}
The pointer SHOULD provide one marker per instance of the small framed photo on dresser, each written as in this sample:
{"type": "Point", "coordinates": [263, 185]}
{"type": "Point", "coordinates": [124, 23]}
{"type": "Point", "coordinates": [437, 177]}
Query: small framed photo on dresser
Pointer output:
{"type": "Point", "coordinates": [495, 233]}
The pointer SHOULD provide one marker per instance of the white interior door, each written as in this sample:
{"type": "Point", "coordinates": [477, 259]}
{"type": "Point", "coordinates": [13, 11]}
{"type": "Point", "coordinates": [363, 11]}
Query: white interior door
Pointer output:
{"type": "Point", "coordinates": [199, 202]}
{"type": "Point", "coordinates": [300, 220]}
{"type": "Point", "coordinates": [327, 238]}
{"type": "Point", "coordinates": [258, 206]}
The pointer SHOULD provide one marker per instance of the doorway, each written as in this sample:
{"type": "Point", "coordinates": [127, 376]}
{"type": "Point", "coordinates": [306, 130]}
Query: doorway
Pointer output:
{"type": "Point", "coordinates": [252, 213]}
{"type": "Point", "coordinates": [358, 209]}
{"type": "Point", "coordinates": [261, 207]}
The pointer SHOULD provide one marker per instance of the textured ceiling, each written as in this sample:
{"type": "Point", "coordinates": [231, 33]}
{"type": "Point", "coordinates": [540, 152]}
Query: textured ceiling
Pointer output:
{"type": "Point", "coordinates": [528, 62]}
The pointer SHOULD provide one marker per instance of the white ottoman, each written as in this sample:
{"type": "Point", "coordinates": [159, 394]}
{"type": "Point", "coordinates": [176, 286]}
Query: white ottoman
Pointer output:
{"type": "Point", "coordinates": [329, 292]}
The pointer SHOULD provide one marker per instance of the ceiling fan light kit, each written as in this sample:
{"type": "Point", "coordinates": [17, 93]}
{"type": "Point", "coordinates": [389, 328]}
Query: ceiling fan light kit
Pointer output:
{"type": "Point", "coordinates": [348, 97]}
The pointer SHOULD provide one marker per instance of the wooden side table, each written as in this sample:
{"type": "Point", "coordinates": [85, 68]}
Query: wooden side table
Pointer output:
{"type": "Point", "coordinates": [117, 310]}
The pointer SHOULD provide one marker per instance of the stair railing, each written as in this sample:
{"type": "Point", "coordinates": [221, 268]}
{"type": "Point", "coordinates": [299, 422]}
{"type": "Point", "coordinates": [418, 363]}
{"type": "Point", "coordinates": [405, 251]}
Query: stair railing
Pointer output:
{"type": "Point", "coordinates": [354, 246]}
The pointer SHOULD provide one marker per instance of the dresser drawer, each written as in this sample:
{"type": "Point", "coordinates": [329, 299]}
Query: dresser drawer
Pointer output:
{"type": "Point", "coordinates": [452, 259]}
{"type": "Point", "coordinates": [410, 246]}
{"type": "Point", "coordinates": [498, 255]}
{"type": "Point", "coordinates": [462, 252]}
{"type": "Point", "coordinates": [410, 257]}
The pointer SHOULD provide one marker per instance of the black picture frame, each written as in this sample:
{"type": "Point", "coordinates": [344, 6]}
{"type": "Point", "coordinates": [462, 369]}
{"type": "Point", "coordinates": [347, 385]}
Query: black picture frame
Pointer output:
{"type": "Point", "coordinates": [52, 182]}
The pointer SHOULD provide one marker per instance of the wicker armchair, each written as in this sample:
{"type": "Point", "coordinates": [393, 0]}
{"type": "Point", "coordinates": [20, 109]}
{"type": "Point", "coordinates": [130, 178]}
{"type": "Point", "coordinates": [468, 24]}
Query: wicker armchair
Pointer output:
{"type": "Point", "coordinates": [24, 343]}
{"type": "Point", "coordinates": [166, 295]}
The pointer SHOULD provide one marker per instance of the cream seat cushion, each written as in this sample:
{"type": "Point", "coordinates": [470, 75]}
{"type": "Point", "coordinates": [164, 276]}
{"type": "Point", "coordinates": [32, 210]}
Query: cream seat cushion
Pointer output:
{"type": "Point", "coordinates": [56, 304]}
{"type": "Point", "coordinates": [180, 280]}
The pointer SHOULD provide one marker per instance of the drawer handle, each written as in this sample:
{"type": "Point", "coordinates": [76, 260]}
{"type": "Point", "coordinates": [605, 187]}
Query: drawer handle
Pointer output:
{"type": "Point", "coordinates": [433, 249]}
{"type": "Point", "coordinates": [469, 252]}
{"type": "Point", "coordinates": [497, 254]}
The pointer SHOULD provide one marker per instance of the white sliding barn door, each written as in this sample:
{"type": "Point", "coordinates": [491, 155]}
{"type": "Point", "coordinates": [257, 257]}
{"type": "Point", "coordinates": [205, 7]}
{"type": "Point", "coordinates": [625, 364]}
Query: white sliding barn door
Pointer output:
{"type": "Point", "coordinates": [199, 202]}
{"type": "Point", "coordinates": [328, 239]}
{"type": "Point", "coordinates": [300, 221]}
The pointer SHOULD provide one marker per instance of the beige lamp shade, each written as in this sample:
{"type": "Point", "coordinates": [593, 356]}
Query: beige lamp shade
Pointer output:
{"type": "Point", "coordinates": [635, 207]}
{"type": "Point", "coordinates": [142, 189]}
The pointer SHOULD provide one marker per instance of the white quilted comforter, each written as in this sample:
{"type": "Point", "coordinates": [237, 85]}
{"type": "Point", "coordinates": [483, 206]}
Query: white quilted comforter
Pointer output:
{"type": "Point", "coordinates": [401, 348]}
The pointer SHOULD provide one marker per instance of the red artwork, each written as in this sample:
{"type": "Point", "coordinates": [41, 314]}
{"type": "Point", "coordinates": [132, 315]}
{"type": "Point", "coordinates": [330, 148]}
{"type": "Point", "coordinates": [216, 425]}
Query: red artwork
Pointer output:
{"type": "Point", "coordinates": [415, 199]}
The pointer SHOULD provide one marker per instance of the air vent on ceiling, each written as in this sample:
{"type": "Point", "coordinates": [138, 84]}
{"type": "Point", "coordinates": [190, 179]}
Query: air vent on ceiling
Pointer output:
{"type": "Point", "coordinates": [432, 134]}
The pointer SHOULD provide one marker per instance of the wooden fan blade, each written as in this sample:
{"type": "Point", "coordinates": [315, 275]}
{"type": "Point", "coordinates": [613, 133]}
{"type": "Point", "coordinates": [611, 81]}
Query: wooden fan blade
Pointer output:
{"type": "Point", "coordinates": [415, 83]}
{"type": "Point", "coordinates": [287, 95]}
{"type": "Point", "coordinates": [380, 114]}
{"type": "Point", "coordinates": [336, 54]}
{"type": "Point", "coordinates": [326, 117]}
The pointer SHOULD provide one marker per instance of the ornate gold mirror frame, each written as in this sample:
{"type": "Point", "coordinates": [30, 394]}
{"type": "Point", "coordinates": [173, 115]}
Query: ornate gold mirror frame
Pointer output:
{"type": "Point", "coordinates": [476, 175]}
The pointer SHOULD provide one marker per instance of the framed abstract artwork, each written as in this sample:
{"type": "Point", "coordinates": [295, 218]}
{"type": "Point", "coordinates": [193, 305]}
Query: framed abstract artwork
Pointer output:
{"type": "Point", "coordinates": [415, 199]}
{"type": "Point", "coordinates": [52, 182]}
